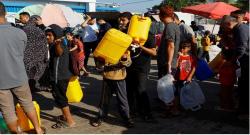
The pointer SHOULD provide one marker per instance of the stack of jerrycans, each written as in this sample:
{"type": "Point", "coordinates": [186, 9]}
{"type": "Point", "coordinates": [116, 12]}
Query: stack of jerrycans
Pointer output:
{"type": "Point", "coordinates": [115, 43]}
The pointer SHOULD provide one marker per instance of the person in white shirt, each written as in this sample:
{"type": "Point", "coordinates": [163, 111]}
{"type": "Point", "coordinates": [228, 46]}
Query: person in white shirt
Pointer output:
{"type": "Point", "coordinates": [89, 36]}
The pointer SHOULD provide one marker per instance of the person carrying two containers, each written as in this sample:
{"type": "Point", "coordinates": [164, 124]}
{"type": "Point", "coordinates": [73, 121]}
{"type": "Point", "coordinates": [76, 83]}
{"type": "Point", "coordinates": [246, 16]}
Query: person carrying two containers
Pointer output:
{"type": "Point", "coordinates": [113, 51]}
{"type": "Point", "coordinates": [116, 58]}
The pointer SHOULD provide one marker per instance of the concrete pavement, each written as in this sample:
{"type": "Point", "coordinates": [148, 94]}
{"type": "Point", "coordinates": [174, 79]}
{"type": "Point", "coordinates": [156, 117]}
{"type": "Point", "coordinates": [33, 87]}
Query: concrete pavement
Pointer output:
{"type": "Point", "coordinates": [207, 120]}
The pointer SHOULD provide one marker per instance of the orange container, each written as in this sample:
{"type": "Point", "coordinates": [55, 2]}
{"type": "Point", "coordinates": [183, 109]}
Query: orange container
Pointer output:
{"type": "Point", "coordinates": [23, 120]}
{"type": "Point", "coordinates": [112, 46]}
{"type": "Point", "coordinates": [138, 28]}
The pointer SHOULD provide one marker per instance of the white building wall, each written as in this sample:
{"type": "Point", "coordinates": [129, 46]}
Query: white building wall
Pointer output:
{"type": "Point", "coordinates": [91, 7]}
{"type": "Point", "coordinates": [186, 17]}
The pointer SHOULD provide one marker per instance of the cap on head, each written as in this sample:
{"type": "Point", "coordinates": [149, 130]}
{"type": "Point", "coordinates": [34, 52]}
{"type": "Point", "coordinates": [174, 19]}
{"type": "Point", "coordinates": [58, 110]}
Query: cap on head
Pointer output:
{"type": "Point", "coordinates": [56, 30]}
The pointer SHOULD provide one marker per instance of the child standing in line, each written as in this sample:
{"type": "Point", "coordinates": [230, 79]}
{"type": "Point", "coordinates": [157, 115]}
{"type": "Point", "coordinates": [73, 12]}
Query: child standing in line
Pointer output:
{"type": "Point", "coordinates": [206, 43]}
{"type": "Point", "coordinates": [186, 66]}
{"type": "Point", "coordinates": [80, 56]}
{"type": "Point", "coordinates": [77, 51]}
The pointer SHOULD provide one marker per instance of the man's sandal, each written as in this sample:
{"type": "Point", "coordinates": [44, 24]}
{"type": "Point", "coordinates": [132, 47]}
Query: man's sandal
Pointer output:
{"type": "Point", "coordinates": [96, 123]}
{"type": "Point", "coordinates": [62, 123]}
{"type": "Point", "coordinates": [44, 130]}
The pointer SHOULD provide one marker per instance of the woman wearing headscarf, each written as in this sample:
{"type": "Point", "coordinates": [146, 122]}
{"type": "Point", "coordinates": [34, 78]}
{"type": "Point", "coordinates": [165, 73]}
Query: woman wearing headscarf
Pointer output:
{"type": "Point", "coordinates": [35, 54]}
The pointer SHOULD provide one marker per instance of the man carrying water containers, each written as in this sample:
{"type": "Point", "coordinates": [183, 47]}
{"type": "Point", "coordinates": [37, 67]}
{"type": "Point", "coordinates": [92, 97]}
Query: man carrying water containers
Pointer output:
{"type": "Point", "coordinates": [114, 75]}
{"type": "Point", "coordinates": [138, 99]}
{"type": "Point", "coordinates": [13, 77]}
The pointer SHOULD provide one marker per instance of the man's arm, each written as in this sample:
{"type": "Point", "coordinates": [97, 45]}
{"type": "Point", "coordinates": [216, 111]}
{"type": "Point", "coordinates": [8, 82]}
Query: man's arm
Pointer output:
{"type": "Point", "coordinates": [85, 23]}
{"type": "Point", "coordinates": [172, 35]}
{"type": "Point", "coordinates": [58, 48]}
{"type": "Point", "coordinates": [170, 54]}
{"type": "Point", "coordinates": [150, 51]}
{"type": "Point", "coordinates": [242, 39]}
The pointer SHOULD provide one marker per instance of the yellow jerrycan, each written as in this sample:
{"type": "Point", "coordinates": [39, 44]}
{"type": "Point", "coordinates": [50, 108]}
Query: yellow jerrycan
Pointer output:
{"type": "Point", "coordinates": [74, 91]}
{"type": "Point", "coordinates": [112, 46]}
{"type": "Point", "coordinates": [23, 120]}
{"type": "Point", "coordinates": [138, 28]}
{"type": "Point", "coordinates": [216, 63]}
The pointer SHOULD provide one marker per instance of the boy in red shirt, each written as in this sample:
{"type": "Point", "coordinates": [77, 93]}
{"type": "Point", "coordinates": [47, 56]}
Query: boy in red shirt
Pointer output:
{"type": "Point", "coordinates": [186, 65]}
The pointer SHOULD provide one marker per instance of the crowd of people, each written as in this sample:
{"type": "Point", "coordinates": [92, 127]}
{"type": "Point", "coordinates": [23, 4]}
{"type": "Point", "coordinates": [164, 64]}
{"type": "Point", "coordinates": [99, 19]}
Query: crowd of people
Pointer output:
{"type": "Point", "coordinates": [37, 57]}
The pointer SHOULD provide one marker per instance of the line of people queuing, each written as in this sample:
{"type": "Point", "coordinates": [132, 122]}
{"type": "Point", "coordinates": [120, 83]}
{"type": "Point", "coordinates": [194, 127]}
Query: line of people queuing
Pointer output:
{"type": "Point", "coordinates": [56, 54]}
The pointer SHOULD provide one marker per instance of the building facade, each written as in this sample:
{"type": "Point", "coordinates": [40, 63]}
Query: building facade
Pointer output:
{"type": "Point", "coordinates": [81, 6]}
{"type": "Point", "coordinates": [110, 7]}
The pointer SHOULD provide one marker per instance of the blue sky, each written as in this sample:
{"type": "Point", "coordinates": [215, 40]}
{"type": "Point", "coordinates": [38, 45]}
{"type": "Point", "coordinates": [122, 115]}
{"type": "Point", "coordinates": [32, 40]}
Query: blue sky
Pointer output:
{"type": "Point", "coordinates": [141, 6]}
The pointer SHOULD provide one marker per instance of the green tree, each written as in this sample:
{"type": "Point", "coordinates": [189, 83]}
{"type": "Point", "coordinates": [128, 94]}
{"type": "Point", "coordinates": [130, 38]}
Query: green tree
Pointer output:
{"type": "Point", "coordinates": [178, 4]}
{"type": "Point", "coordinates": [242, 4]}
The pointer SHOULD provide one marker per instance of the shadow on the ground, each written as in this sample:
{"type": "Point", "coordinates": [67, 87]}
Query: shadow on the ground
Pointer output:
{"type": "Point", "coordinates": [44, 102]}
{"type": "Point", "coordinates": [92, 94]}
{"type": "Point", "coordinates": [189, 122]}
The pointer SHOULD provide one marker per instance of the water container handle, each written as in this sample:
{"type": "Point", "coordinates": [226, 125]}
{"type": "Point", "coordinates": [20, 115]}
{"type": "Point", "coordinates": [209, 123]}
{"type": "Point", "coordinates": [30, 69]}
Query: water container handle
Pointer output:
{"type": "Point", "coordinates": [136, 39]}
{"type": "Point", "coordinates": [142, 17]}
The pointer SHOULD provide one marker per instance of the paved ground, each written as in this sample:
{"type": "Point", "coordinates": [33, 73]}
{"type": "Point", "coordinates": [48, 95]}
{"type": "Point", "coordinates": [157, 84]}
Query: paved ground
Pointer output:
{"type": "Point", "coordinates": [206, 120]}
